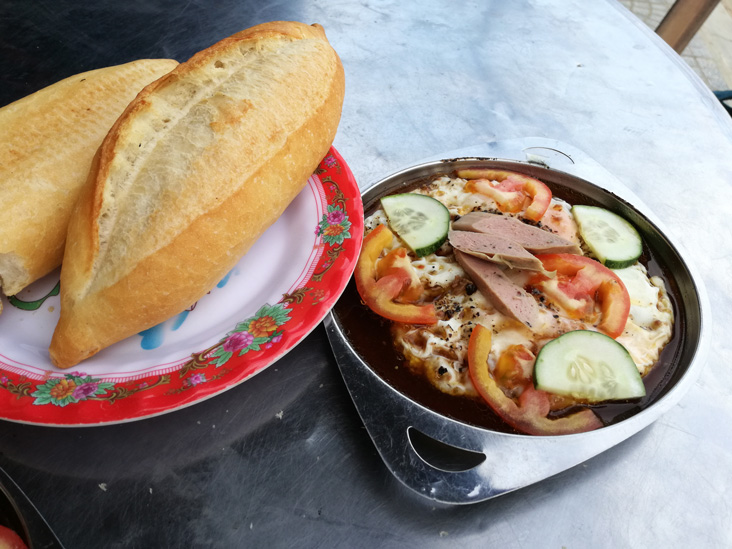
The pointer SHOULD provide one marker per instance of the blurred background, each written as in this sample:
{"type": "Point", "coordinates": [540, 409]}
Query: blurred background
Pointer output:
{"type": "Point", "coordinates": [709, 52]}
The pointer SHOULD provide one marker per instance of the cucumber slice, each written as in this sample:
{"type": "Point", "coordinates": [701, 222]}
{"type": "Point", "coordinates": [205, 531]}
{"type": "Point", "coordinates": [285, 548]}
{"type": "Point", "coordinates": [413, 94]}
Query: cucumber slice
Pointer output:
{"type": "Point", "coordinates": [420, 220]}
{"type": "Point", "coordinates": [589, 366]}
{"type": "Point", "coordinates": [612, 239]}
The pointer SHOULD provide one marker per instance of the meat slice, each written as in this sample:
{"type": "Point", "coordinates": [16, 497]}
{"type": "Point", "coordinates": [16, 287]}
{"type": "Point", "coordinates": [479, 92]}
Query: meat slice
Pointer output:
{"type": "Point", "coordinates": [494, 248]}
{"type": "Point", "coordinates": [506, 297]}
{"type": "Point", "coordinates": [532, 239]}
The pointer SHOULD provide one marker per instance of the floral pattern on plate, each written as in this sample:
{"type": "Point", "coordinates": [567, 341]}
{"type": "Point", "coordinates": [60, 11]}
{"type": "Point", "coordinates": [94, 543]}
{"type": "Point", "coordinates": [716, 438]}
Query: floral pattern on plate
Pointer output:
{"type": "Point", "coordinates": [54, 397]}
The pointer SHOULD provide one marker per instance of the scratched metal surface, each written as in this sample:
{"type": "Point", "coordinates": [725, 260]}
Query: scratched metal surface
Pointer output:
{"type": "Point", "coordinates": [422, 78]}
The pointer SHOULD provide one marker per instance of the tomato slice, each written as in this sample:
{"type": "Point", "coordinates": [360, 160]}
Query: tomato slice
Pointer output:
{"type": "Point", "coordinates": [511, 192]}
{"type": "Point", "coordinates": [580, 283]}
{"type": "Point", "coordinates": [397, 279]}
{"type": "Point", "coordinates": [541, 198]}
{"type": "Point", "coordinates": [529, 415]}
{"type": "Point", "coordinates": [397, 262]}
{"type": "Point", "coordinates": [10, 539]}
{"type": "Point", "coordinates": [507, 200]}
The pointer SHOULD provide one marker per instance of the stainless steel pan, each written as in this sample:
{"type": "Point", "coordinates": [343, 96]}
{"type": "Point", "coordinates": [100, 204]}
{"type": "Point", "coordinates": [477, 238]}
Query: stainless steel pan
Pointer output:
{"type": "Point", "coordinates": [454, 461]}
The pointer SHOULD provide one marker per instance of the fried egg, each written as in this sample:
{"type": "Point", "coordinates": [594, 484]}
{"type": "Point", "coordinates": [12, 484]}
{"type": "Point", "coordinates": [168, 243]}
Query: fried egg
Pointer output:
{"type": "Point", "coordinates": [439, 352]}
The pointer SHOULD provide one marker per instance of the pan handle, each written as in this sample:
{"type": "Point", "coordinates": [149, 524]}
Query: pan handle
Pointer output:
{"type": "Point", "coordinates": [441, 471]}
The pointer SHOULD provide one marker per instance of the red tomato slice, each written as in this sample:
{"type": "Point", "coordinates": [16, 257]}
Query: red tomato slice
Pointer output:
{"type": "Point", "coordinates": [541, 198]}
{"type": "Point", "coordinates": [380, 294]}
{"type": "Point", "coordinates": [508, 201]}
{"type": "Point", "coordinates": [530, 414]}
{"type": "Point", "coordinates": [9, 539]}
{"type": "Point", "coordinates": [580, 283]}
{"type": "Point", "coordinates": [511, 192]}
{"type": "Point", "coordinates": [397, 262]}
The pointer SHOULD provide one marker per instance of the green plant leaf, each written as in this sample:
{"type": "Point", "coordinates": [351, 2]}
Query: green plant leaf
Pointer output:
{"type": "Point", "coordinates": [41, 399]}
{"type": "Point", "coordinates": [223, 359]}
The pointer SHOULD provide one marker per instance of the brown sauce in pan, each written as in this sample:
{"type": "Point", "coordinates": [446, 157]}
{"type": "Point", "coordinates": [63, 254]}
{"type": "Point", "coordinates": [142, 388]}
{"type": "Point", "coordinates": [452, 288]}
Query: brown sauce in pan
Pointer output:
{"type": "Point", "coordinates": [370, 336]}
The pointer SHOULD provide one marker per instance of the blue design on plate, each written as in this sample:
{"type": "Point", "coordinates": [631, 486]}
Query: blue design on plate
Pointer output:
{"type": "Point", "coordinates": [179, 320]}
{"type": "Point", "coordinates": [224, 280]}
{"type": "Point", "coordinates": [152, 338]}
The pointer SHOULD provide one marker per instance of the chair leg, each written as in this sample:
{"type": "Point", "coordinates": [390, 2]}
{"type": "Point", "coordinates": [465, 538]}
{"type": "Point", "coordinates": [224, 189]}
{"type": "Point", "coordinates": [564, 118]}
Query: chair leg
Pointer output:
{"type": "Point", "coordinates": [683, 20]}
{"type": "Point", "coordinates": [725, 96]}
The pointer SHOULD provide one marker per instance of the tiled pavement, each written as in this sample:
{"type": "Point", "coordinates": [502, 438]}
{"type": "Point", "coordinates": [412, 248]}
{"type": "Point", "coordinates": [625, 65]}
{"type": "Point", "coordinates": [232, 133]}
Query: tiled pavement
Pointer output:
{"type": "Point", "coordinates": [709, 53]}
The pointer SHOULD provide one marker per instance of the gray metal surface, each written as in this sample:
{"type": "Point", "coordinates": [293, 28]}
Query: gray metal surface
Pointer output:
{"type": "Point", "coordinates": [423, 78]}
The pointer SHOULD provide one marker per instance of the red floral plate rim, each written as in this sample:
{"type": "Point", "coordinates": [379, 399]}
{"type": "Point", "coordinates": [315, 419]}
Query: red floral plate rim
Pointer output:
{"type": "Point", "coordinates": [60, 398]}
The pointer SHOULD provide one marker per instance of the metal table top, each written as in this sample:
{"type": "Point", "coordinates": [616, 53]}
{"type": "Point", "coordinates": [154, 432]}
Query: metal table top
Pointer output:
{"type": "Point", "coordinates": [283, 459]}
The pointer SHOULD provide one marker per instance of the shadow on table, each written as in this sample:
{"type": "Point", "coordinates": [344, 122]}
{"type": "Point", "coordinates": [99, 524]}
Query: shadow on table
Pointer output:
{"type": "Point", "coordinates": [284, 452]}
{"type": "Point", "coordinates": [173, 440]}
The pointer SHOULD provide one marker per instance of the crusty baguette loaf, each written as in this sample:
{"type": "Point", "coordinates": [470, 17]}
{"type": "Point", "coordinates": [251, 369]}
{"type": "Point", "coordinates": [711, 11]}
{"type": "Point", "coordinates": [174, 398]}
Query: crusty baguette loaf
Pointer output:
{"type": "Point", "coordinates": [193, 172]}
{"type": "Point", "coordinates": [47, 142]}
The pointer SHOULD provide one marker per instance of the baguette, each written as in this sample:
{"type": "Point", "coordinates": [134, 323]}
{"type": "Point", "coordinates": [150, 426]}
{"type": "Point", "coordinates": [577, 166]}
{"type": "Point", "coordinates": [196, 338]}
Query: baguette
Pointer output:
{"type": "Point", "coordinates": [47, 142]}
{"type": "Point", "coordinates": [192, 173]}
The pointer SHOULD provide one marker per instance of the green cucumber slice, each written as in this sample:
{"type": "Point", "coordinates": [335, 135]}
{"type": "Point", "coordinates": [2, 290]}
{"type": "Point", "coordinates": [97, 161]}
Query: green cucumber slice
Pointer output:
{"type": "Point", "coordinates": [420, 220]}
{"type": "Point", "coordinates": [612, 239]}
{"type": "Point", "coordinates": [589, 366]}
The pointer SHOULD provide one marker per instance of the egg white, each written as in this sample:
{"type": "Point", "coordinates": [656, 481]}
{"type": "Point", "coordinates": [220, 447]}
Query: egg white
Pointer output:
{"type": "Point", "coordinates": [439, 352]}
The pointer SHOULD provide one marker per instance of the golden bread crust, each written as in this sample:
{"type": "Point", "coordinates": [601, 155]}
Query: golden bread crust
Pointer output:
{"type": "Point", "coordinates": [261, 140]}
{"type": "Point", "coordinates": [47, 141]}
